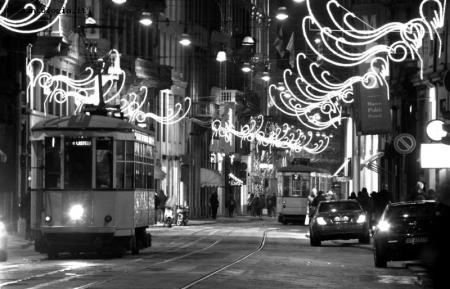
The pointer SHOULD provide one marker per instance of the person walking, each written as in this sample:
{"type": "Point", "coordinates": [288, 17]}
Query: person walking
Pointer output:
{"type": "Point", "coordinates": [262, 204]}
{"type": "Point", "coordinates": [25, 213]}
{"type": "Point", "coordinates": [162, 205]}
{"type": "Point", "coordinates": [255, 206]}
{"type": "Point", "coordinates": [273, 200]}
{"type": "Point", "coordinates": [319, 198]}
{"type": "Point", "coordinates": [417, 194]}
{"type": "Point", "coordinates": [214, 203]}
{"type": "Point", "coordinates": [352, 196]}
{"type": "Point", "coordinates": [309, 201]}
{"type": "Point", "coordinates": [269, 206]}
{"type": "Point", "coordinates": [366, 203]}
{"type": "Point", "coordinates": [156, 201]}
{"type": "Point", "coordinates": [231, 207]}
{"type": "Point", "coordinates": [249, 204]}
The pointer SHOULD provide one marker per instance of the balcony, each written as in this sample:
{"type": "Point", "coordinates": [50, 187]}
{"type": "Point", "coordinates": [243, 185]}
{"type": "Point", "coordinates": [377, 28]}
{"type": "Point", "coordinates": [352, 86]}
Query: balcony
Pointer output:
{"type": "Point", "coordinates": [204, 109]}
{"type": "Point", "coordinates": [228, 95]}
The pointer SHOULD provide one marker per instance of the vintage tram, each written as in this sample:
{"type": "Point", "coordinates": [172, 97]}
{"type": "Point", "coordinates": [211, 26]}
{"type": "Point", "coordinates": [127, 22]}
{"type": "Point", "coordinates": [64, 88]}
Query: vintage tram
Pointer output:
{"type": "Point", "coordinates": [294, 186]}
{"type": "Point", "coordinates": [92, 187]}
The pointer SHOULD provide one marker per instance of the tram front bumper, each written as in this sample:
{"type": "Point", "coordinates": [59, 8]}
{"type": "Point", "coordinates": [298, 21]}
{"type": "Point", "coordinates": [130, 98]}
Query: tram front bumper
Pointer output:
{"type": "Point", "coordinates": [74, 239]}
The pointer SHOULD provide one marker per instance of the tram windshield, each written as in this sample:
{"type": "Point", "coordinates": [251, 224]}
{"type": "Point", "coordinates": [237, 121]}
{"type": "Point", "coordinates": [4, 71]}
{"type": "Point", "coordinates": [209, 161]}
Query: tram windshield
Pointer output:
{"type": "Point", "coordinates": [77, 162]}
{"type": "Point", "coordinates": [97, 162]}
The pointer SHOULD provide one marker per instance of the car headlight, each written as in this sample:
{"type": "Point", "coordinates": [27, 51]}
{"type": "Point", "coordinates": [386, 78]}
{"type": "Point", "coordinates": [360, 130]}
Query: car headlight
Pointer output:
{"type": "Point", "coordinates": [2, 226]}
{"type": "Point", "coordinates": [48, 218]}
{"type": "Point", "coordinates": [383, 226]}
{"type": "Point", "coordinates": [321, 221]}
{"type": "Point", "coordinates": [76, 212]}
{"type": "Point", "coordinates": [361, 219]}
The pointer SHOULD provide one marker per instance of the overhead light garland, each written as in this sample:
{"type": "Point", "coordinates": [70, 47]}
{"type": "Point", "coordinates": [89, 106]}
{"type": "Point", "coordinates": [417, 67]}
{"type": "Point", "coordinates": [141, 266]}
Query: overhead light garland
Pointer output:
{"type": "Point", "coordinates": [85, 91]}
{"type": "Point", "coordinates": [328, 96]}
{"type": "Point", "coordinates": [280, 137]}
{"type": "Point", "coordinates": [36, 13]}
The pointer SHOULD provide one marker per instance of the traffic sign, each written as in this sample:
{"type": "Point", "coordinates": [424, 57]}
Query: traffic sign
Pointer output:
{"type": "Point", "coordinates": [404, 143]}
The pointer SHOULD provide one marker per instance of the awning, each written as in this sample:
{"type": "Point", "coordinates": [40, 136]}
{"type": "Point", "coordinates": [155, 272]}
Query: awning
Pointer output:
{"type": "Point", "coordinates": [159, 173]}
{"type": "Point", "coordinates": [371, 159]}
{"type": "Point", "coordinates": [371, 165]}
{"type": "Point", "coordinates": [341, 167]}
{"type": "Point", "coordinates": [211, 178]}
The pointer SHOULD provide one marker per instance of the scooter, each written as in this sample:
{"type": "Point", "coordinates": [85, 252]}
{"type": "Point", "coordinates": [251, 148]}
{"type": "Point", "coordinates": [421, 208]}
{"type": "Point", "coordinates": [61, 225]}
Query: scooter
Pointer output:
{"type": "Point", "coordinates": [168, 217]}
{"type": "Point", "coordinates": [182, 215]}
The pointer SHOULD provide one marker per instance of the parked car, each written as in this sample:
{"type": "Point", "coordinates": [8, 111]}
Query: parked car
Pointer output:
{"type": "Point", "coordinates": [339, 220]}
{"type": "Point", "coordinates": [405, 228]}
{"type": "Point", "coordinates": [3, 242]}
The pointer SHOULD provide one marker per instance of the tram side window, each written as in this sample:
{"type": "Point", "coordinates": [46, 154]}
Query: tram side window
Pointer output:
{"type": "Point", "coordinates": [120, 165]}
{"type": "Point", "coordinates": [104, 161]}
{"type": "Point", "coordinates": [129, 165]}
{"type": "Point", "coordinates": [53, 162]}
{"type": "Point", "coordinates": [125, 165]}
{"type": "Point", "coordinates": [286, 186]}
{"type": "Point", "coordinates": [296, 185]}
{"type": "Point", "coordinates": [78, 162]}
{"type": "Point", "coordinates": [306, 188]}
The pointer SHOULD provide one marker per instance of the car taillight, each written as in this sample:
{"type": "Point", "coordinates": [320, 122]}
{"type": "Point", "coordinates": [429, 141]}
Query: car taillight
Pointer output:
{"type": "Point", "coordinates": [361, 219]}
{"type": "Point", "coordinates": [321, 221]}
{"type": "Point", "coordinates": [383, 226]}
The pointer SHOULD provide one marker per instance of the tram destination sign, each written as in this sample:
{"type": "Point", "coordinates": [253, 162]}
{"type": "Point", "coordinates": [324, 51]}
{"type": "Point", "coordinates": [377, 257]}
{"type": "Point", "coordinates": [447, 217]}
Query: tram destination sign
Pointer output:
{"type": "Point", "coordinates": [144, 138]}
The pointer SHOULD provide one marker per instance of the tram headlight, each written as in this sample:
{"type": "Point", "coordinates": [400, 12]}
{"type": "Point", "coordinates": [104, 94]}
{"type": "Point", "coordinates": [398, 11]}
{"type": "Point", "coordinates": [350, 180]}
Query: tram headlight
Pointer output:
{"type": "Point", "coordinates": [48, 219]}
{"type": "Point", "coordinates": [76, 212]}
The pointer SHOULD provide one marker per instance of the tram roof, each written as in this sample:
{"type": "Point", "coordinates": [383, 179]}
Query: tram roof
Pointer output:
{"type": "Point", "coordinates": [301, 168]}
{"type": "Point", "coordinates": [87, 123]}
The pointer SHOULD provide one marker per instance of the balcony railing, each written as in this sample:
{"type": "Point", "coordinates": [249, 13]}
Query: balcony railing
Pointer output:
{"type": "Point", "coordinates": [204, 109]}
{"type": "Point", "coordinates": [229, 95]}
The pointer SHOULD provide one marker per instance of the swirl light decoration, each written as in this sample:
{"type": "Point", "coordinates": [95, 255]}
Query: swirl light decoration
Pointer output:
{"type": "Point", "coordinates": [281, 137]}
{"type": "Point", "coordinates": [324, 94]}
{"type": "Point", "coordinates": [86, 91]}
{"type": "Point", "coordinates": [18, 25]}
{"type": "Point", "coordinates": [235, 181]}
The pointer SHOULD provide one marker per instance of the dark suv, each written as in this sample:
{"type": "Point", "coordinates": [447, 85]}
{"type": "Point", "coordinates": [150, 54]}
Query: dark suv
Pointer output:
{"type": "Point", "coordinates": [404, 230]}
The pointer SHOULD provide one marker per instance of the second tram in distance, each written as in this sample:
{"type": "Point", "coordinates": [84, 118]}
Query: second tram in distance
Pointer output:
{"type": "Point", "coordinates": [294, 186]}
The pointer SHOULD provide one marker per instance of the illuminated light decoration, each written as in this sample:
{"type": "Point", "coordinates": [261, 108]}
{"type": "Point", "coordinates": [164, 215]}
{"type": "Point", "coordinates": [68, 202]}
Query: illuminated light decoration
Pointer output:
{"type": "Point", "coordinates": [18, 25]}
{"type": "Point", "coordinates": [85, 91]}
{"type": "Point", "coordinates": [411, 33]}
{"type": "Point", "coordinates": [281, 137]}
{"type": "Point", "coordinates": [132, 110]}
{"type": "Point", "coordinates": [323, 92]}
{"type": "Point", "coordinates": [235, 181]}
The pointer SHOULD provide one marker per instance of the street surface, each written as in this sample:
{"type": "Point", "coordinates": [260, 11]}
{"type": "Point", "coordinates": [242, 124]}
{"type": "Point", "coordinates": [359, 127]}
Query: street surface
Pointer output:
{"type": "Point", "coordinates": [241, 252]}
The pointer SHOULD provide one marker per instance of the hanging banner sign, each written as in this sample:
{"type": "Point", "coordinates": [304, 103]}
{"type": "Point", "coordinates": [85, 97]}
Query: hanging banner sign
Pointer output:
{"type": "Point", "coordinates": [373, 109]}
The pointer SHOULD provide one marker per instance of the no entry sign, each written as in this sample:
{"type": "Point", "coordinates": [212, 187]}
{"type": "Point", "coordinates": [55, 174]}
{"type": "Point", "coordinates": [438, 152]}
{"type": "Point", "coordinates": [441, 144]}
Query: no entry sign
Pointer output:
{"type": "Point", "coordinates": [404, 143]}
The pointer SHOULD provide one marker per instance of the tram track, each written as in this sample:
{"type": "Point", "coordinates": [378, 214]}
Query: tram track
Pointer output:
{"type": "Point", "coordinates": [209, 275]}
{"type": "Point", "coordinates": [173, 246]}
